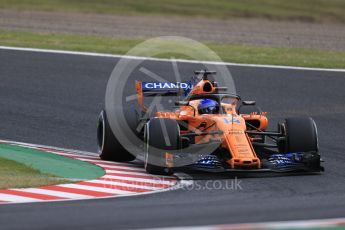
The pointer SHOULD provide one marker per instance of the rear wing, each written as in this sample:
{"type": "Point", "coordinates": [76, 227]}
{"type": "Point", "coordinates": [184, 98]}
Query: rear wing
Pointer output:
{"type": "Point", "coordinates": [150, 89]}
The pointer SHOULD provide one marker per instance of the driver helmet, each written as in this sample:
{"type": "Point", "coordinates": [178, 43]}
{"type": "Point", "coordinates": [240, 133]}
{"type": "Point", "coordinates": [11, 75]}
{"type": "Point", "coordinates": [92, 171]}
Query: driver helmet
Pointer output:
{"type": "Point", "coordinates": [208, 106]}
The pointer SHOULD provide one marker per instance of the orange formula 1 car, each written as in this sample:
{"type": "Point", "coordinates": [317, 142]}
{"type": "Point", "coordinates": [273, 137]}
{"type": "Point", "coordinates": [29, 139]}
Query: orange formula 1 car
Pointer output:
{"type": "Point", "coordinates": [209, 130]}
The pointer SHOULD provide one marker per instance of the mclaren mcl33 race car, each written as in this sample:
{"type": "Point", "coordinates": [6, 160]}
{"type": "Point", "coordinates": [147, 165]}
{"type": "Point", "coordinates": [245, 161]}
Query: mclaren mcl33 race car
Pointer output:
{"type": "Point", "coordinates": [208, 129]}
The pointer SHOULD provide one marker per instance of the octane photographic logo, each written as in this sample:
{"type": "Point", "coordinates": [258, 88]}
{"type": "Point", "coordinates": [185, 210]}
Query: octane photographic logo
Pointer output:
{"type": "Point", "coordinates": [233, 185]}
{"type": "Point", "coordinates": [119, 98]}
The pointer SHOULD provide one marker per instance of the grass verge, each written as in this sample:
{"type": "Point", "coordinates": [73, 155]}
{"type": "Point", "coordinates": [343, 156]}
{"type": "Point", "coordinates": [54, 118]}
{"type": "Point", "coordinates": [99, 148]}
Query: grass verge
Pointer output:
{"type": "Point", "coordinates": [228, 52]}
{"type": "Point", "coordinates": [306, 10]}
{"type": "Point", "coordinates": [16, 175]}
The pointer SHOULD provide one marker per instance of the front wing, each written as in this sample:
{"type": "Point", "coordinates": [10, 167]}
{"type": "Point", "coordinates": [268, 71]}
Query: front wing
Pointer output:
{"type": "Point", "coordinates": [291, 162]}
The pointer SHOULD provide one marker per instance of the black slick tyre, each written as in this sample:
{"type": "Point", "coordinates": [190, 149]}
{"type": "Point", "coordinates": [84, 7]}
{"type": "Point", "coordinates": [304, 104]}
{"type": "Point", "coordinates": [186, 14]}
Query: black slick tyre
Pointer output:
{"type": "Point", "coordinates": [109, 147]}
{"type": "Point", "coordinates": [162, 139]}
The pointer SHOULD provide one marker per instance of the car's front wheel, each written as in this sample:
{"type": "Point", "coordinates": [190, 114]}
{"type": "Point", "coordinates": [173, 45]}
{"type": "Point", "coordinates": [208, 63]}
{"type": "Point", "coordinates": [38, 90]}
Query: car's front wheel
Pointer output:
{"type": "Point", "coordinates": [162, 139]}
{"type": "Point", "coordinates": [300, 135]}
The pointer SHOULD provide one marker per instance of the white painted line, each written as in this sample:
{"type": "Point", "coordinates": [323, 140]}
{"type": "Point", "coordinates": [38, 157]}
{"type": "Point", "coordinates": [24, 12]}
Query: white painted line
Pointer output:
{"type": "Point", "coordinates": [15, 198]}
{"type": "Point", "coordinates": [118, 168]}
{"type": "Point", "coordinates": [300, 224]}
{"type": "Point", "coordinates": [117, 183]}
{"type": "Point", "coordinates": [158, 181]}
{"type": "Point", "coordinates": [59, 152]}
{"type": "Point", "coordinates": [111, 163]}
{"type": "Point", "coordinates": [99, 161]}
{"type": "Point", "coordinates": [36, 146]}
{"type": "Point", "coordinates": [95, 189]}
{"type": "Point", "coordinates": [128, 173]}
{"type": "Point", "coordinates": [55, 193]}
{"type": "Point", "coordinates": [166, 60]}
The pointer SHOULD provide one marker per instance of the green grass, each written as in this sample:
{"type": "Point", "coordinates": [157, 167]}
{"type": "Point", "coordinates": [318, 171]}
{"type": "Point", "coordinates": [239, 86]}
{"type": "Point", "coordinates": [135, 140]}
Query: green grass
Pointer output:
{"type": "Point", "coordinates": [305, 10]}
{"type": "Point", "coordinates": [16, 175]}
{"type": "Point", "coordinates": [229, 53]}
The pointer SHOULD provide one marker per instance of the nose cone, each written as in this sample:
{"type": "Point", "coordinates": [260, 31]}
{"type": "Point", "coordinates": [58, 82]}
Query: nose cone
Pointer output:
{"type": "Point", "coordinates": [237, 142]}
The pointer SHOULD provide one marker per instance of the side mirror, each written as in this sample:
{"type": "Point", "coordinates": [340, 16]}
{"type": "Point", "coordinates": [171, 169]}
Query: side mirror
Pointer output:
{"type": "Point", "coordinates": [248, 102]}
{"type": "Point", "coordinates": [221, 88]}
{"type": "Point", "coordinates": [185, 142]}
{"type": "Point", "coordinates": [181, 103]}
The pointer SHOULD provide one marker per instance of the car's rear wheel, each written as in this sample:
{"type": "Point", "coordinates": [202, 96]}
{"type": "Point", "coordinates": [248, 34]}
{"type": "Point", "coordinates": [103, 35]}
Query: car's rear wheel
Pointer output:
{"type": "Point", "coordinates": [300, 135]}
{"type": "Point", "coordinates": [109, 147]}
{"type": "Point", "coordinates": [162, 139]}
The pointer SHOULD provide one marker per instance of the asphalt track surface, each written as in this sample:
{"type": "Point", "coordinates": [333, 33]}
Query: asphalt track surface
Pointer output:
{"type": "Point", "coordinates": [54, 99]}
